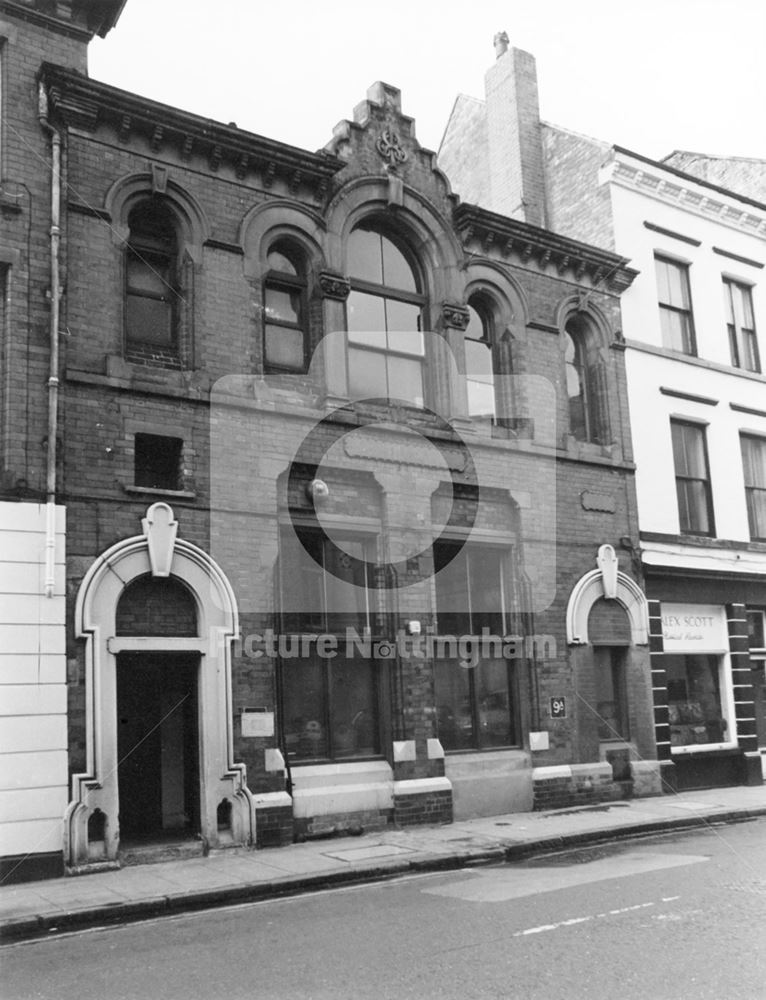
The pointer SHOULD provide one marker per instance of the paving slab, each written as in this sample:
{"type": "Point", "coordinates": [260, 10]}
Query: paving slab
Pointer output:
{"type": "Point", "coordinates": [141, 891]}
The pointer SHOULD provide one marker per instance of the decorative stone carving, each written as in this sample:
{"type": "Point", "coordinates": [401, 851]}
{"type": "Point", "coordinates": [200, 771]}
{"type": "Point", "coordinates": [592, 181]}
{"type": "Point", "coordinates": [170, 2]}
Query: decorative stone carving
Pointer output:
{"type": "Point", "coordinates": [455, 316]}
{"type": "Point", "coordinates": [389, 145]}
{"type": "Point", "coordinates": [607, 563]}
{"type": "Point", "coordinates": [159, 178]}
{"type": "Point", "coordinates": [334, 286]}
{"type": "Point", "coordinates": [160, 528]}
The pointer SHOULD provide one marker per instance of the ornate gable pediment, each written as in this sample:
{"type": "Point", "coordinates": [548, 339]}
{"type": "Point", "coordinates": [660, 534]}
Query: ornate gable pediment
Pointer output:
{"type": "Point", "coordinates": [380, 140]}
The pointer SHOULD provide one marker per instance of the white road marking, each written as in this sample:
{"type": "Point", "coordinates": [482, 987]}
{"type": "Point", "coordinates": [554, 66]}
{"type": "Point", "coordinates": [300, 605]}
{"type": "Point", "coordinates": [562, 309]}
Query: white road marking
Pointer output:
{"type": "Point", "coordinates": [544, 928]}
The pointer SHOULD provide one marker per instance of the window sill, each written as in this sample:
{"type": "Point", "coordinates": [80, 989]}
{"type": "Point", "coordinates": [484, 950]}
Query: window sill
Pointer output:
{"type": "Point", "coordinates": [152, 492]}
{"type": "Point", "coordinates": [705, 748]}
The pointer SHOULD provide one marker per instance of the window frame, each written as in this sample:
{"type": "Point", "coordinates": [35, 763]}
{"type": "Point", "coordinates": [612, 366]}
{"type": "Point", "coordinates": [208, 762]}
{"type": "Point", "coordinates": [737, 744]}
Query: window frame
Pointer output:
{"type": "Point", "coordinates": [312, 623]}
{"type": "Point", "coordinates": [389, 293]}
{"type": "Point", "coordinates": [284, 281]}
{"type": "Point", "coordinates": [142, 438]}
{"type": "Point", "coordinates": [477, 712]}
{"type": "Point", "coordinates": [751, 489]}
{"type": "Point", "coordinates": [701, 428]}
{"type": "Point", "coordinates": [686, 311]}
{"type": "Point", "coordinates": [740, 336]}
{"type": "Point", "coordinates": [164, 262]}
{"type": "Point", "coordinates": [478, 304]}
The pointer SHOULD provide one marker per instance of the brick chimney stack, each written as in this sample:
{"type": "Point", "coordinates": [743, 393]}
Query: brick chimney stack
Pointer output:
{"type": "Point", "coordinates": [516, 177]}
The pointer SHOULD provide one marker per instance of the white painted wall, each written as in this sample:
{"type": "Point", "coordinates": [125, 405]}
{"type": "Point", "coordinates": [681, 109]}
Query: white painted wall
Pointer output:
{"type": "Point", "coordinates": [712, 375]}
{"type": "Point", "coordinates": [33, 694]}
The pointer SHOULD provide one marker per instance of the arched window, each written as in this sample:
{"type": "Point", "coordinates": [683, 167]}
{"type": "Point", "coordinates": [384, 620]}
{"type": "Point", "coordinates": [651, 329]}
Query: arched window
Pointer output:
{"type": "Point", "coordinates": [479, 363]}
{"type": "Point", "coordinates": [583, 418]}
{"type": "Point", "coordinates": [285, 340]}
{"type": "Point", "coordinates": [151, 288]}
{"type": "Point", "coordinates": [384, 318]}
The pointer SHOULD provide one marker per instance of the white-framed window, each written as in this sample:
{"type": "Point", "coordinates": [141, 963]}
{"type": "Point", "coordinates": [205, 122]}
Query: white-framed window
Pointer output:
{"type": "Point", "coordinates": [675, 303]}
{"type": "Point", "coordinates": [740, 325]}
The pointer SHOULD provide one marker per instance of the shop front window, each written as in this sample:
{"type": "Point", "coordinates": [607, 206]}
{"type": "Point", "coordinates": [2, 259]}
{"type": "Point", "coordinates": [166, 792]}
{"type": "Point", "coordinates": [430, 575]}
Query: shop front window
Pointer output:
{"type": "Point", "coordinates": [696, 709]}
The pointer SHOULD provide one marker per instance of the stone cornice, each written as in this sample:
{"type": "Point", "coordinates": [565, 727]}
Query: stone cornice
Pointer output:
{"type": "Point", "coordinates": [530, 245]}
{"type": "Point", "coordinates": [100, 18]}
{"type": "Point", "coordinates": [86, 104]}
{"type": "Point", "coordinates": [673, 187]}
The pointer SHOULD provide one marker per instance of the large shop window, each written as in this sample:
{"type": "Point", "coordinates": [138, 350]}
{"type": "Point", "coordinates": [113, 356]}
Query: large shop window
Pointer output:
{"type": "Point", "coordinates": [695, 501]}
{"type": "Point", "coordinates": [329, 702]}
{"type": "Point", "coordinates": [384, 316]}
{"type": "Point", "coordinates": [695, 704]}
{"type": "Point", "coordinates": [475, 704]}
{"type": "Point", "coordinates": [756, 633]}
{"type": "Point", "coordinates": [754, 468]}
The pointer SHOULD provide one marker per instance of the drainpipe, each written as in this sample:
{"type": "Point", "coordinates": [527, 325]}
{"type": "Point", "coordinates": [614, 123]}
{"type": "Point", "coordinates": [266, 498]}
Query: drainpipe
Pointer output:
{"type": "Point", "coordinates": [53, 377]}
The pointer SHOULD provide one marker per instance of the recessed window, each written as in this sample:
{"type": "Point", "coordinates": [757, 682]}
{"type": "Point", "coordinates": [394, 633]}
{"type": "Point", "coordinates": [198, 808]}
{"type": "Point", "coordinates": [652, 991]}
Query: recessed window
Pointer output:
{"type": "Point", "coordinates": [479, 367]}
{"type": "Point", "coordinates": [285, 341]}
{"type": "Point", "coordinates": [675, 304]}
{"type": "Point", "coordinates": [475, 704]}
{"type": "Point", "coordinates": [384, 318]}
{"type": "Point", "coordinates": [740, 323]}
{"type": "Point", "coordinates": [611, 694]}
{"type": "Point", "coordinates": [151, 291]}
{"type": "Point", "coordinates": [695, 502]}
{"type": "Point", "coordinates": [754, 468]}
{"type": "Point", "coordinates": [581, 365]}
{"type": "Point", "coordinates": [330, 702]}
{"type": "Point", "coordinates": [158, 462]}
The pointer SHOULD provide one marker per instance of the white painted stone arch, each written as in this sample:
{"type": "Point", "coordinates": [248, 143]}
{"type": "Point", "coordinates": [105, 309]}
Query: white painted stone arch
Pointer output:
{"type": "Point", "coordinates": [607, 582]}
{"type": "Point", "coordinates": [157, 552]}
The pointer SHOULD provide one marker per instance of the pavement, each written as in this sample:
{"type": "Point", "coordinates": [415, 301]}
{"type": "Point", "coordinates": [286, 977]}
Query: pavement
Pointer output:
{"type": "Point", "coordinates": [35, 909]}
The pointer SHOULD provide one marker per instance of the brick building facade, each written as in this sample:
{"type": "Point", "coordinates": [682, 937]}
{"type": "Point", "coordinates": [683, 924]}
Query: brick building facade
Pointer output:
{"type": "Point", "coordinates": [346, 473]}
{"type": "Point", "coordinates": [693, 226]}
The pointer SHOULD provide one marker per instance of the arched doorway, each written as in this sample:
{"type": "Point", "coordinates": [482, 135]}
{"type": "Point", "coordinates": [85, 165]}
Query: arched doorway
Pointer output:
{"type": "Point", "coordinates": [157, 616]}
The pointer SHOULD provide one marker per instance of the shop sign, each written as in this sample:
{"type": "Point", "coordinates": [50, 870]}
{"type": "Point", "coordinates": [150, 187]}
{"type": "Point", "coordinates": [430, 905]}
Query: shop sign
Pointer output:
{"type": "Point", "coordinates": [694, 628]}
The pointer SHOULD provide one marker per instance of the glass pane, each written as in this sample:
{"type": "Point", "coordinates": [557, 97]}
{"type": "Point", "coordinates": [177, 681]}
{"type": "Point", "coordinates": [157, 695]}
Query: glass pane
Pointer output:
{"type": "Point", "coordinates": [747, 307]}
{"type": "Point", "coordinates": [454, 718]}
{"type": "Point", "coordinates": [481, 399]}
{"type": "Point", "coordinates": [475, 329]}
{"type": "Point", "coordinates": [663, 286]}
{"type": "Point", "coordinates": [365, 256]}
{"type": "Point", "coordinates": [673, 284]}
{"type": "Point", "coordinates": [756, 630]}
{"type": "Point", "coordinates": [277, 261]}
{"type": "Point", "coordinates": [284, 348]}
{"type": "Point", "coordinates": [405, 380]}
{"type": "Point", "coordinates": [366, 319]}
{"type": "Point", "coordinates": [577, 425]}
{"type": "Point", "coordinates": [354, 715]}
{"type": "Point", "coordinates": [283, 304]}
{"type": "Point", "coordinates": [345, 585]}
{"type": "Point", "coordinates": [693, 506]}
{"type": "Point", "coordinates": [756, 512]}
{"type": "Point", "coordinates": [397, 272]}
{"type": "Point", "coordinates": [727, 301]}
{"type": "Point", "coordinates": [305, 707]}
{"type": "Point", "coordinates": [750, 346]}
{"type": "Point", "coordinates": [485, 569]}
{"type": "Point", "coordinates": [478, 361]}
{"type": "Point", "coordinates": [302, 579]}
{"type": "Point", "coordinates": [694, 700]}
{"type": "Point", "coordinates": [676, 331]}
{"type": "Point", "coordinates": [452, 602]}
{"type": "Point", "coordinates": [754, 461]}
{"type": "Point", "coordinates": [367, 373]}
{"type": "Point", "coordinates": [494, 704]}
{"type": "Point", "coordinates": [403, 325]}
{"type": "Point", "coordinates": [149, 321]}
{"type": "Point", "coordinates": [149, 277]}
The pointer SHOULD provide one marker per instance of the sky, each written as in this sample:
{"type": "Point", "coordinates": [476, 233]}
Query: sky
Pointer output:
{"type": "Point", "coordinates": [652, 76]}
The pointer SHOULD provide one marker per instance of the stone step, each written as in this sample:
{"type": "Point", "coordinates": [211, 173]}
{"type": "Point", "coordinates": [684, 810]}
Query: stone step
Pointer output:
{"type": "Point", "coordinates": [155, 853]}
